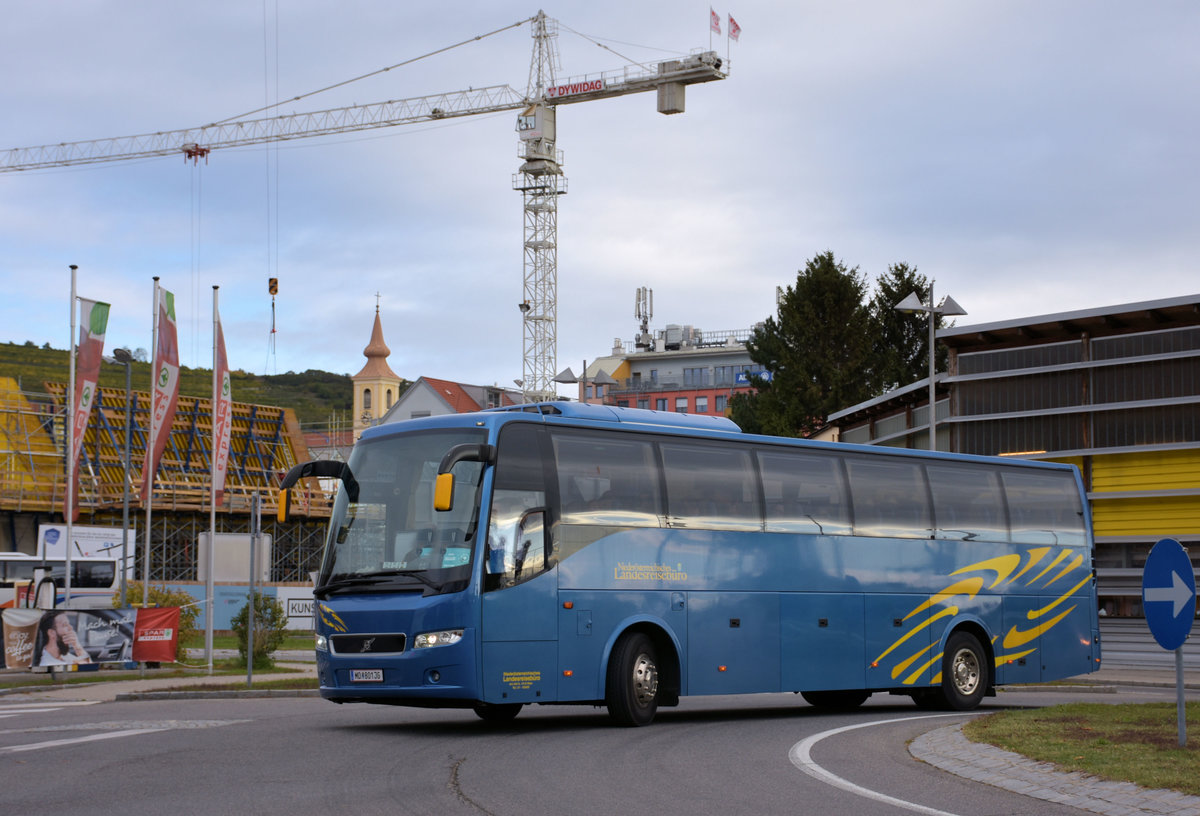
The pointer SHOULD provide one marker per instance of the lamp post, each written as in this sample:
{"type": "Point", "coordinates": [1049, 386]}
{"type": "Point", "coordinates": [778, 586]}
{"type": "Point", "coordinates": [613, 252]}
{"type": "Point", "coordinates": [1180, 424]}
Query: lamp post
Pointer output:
{"type": "Point", "coordinates": [124, 358]}
{"type": "Point", "coordinates": [567, 377]}
{"type": "Point", "coordinates": [911, 305]}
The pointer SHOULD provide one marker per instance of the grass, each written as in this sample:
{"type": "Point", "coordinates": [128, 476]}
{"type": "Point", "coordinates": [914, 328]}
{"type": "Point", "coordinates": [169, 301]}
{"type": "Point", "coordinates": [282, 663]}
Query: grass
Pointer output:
{"type": "Point", "coordinates": [1121, 742]}
{"type": "Point", "coordinates": [300, 642]}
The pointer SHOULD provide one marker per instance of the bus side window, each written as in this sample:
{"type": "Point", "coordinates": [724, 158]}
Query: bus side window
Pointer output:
{"type": "Point", "coordinates": [890, 498]}
{"type": "Point", "coordinates": [805, 493]}
{"type": "Point", "coordinates": [711, 486]}
{"type": "Point", "coordinates": [607, 480]}
{"type": "Point", "coordinates": [1043, 508]}
{"type": "Point", "coordinates": [968, 504]}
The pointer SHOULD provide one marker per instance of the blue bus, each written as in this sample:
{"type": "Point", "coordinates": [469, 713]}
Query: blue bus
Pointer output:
{"type": "Point", "coordinates": [569, 553]}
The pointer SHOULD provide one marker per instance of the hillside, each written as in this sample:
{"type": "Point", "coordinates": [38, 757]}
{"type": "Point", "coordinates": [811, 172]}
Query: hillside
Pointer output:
{"type": "Point", "coordinates": [315, 396]}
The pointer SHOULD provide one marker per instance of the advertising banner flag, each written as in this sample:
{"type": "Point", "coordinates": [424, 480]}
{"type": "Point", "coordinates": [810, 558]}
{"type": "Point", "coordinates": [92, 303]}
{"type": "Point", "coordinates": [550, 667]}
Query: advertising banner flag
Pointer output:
{"type": "Point", "coordinates": [70, 637]}
{"type": "Point", "coordinates": [222, 417]}
{"type": "Point", "coordinates": [73, 637]}
{"type": "Point", "coordinates": [714, 21]}
{"type": "Point", "coordinates": [156, 633]}
{"type": "Point", "coordinates": [735, 30]}
{"type": "Point", "coordinates": [166, 389]}
{"type": "Point", "coordinates": [90, 350]}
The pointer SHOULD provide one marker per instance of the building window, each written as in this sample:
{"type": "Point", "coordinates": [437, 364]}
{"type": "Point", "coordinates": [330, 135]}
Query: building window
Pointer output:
{"type": "Point", "coordinates": [660, 404]}
{"type": "Point", "coordinates": [695, 377]}
{"type": "Point", "coordinates": [366, 399]}
{"type": "Point", "coordinates": [701, 405]}
{"type": "Point", "coordinates": [643, 403]}
{"type": "Point", "coordinates": [654, 376]}
{"type": "Point", "coordinates": [622, 403]}
{"type": "Point", "coordinates": [719, 403]}
{"type": "Point", "coordinates": [389, 398]}
{"type": "Point", "coordinates": [681, 405]}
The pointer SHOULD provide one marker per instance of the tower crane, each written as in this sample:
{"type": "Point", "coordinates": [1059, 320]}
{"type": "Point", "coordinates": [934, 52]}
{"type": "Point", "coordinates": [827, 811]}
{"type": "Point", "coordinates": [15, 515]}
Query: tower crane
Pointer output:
{"type": "Point", "coordinates": [540, 179]}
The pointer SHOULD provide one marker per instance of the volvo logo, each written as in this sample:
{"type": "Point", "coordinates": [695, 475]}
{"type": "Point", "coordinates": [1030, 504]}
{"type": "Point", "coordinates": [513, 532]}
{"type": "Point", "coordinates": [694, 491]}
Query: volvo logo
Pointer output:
{"type": "Point", "coordinates": [366, 646]}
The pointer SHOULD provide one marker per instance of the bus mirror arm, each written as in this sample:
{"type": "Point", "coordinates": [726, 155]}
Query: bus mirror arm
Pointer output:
{"type": "Point", "coordinates": [323, 469]}
{"type": "Point", "coordinates": [467, 452]}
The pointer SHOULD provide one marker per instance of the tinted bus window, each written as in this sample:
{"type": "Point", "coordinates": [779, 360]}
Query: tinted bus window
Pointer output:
{"type": "Point", "coordinates": [518, 494]}
{"type": "Point", "coordinates": [890, 498]}
{"type": "Point", "coordinates": [968, 503]}
{"type": "Point", "coordinates": [607, 479]}
{"type": "Point", "coordinates": [711, 486]}
{"type": "Point", "coordinates": [804, 493]}
{"type": "Point", "coordinates": [1043, 508]}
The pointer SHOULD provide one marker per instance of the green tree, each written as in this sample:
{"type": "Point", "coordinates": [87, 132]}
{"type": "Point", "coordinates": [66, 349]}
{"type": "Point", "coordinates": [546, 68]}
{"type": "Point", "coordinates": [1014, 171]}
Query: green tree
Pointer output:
{"type": "Point", "coordinates": [818, 349]}
{"type": "Point", "coordinates": [270, 629]}
{"type": "Point", "coordinates": [902, 340]}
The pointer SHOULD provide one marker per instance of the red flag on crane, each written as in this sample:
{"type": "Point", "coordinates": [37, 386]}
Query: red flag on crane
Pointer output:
{"type": "Point", "coordinates": [734, 29]}
{"type": "Point", "coordinates": [714, 21]}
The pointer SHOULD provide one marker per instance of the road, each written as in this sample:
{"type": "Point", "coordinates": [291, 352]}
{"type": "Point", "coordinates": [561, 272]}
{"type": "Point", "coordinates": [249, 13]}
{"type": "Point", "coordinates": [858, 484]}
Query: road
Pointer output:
{"type": "Point", "coordinates": [305, 755]}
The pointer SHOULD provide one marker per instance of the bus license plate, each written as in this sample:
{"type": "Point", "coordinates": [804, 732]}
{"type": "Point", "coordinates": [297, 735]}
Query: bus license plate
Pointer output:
{"type": "Point", "coordinates": [366, 675]}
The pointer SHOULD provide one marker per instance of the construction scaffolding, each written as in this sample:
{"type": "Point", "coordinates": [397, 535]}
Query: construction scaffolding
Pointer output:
{"type": "Point", "coordinates": [266, 442]}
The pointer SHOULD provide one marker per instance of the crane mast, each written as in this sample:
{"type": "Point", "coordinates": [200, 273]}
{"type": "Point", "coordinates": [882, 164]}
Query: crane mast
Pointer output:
{"type": "Point", "coordinates": [540, 179]}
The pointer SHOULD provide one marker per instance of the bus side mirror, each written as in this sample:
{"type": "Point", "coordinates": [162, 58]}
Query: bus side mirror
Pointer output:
{"type": "Point", "coordinates": [443, 488]}
{"type": "Point", "coordinates": [283, 505]}
{"type": "Point", "coordinates": [443, 492]}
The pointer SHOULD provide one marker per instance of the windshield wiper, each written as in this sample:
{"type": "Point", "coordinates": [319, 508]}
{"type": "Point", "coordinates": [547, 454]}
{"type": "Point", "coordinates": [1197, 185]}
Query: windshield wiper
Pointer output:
{"type": "Point", "coordinates": [374, 578]}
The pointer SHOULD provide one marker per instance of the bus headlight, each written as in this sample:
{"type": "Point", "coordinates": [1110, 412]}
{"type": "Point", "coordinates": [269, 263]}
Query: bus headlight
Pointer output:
{"type": "Point", "coordinates": [322, 643]}
{"type": "Point", "coordinates": [443, 638]}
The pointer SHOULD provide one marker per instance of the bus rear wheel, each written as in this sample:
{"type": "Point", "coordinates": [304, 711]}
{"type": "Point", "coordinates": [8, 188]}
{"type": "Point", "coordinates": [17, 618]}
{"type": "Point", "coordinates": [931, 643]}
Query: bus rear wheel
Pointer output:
{"type": "Point", "coordinates": [836, 700]}
{"type": "Point", "coordinates": [631, 691]}
{"type": "Point", "coordinates": [502, 713]}
{"type": "Point", "coordinates": [965, 677]}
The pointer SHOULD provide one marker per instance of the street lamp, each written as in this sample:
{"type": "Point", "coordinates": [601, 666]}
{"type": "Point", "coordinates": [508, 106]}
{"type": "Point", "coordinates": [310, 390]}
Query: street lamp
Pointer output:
{"type": "Point", "coordinates": [911, 305]}
{"type": "Point", "coordinates": [124, 358]}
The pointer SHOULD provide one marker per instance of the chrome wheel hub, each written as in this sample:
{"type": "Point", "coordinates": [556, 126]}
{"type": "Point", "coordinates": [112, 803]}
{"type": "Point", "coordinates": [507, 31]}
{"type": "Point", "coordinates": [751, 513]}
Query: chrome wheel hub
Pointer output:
{"type": "Point", "coordinates": [645, 679]}
{"type": "Point", "coordinates": [965, 670]}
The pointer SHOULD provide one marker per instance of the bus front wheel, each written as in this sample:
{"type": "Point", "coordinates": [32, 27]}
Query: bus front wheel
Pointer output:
{"type": "Point", "coordinates": [505, 712]}
{"type": "Point", "coordinates": [847, 700]}
{"type": "Point", "coordinates": [632, 685]}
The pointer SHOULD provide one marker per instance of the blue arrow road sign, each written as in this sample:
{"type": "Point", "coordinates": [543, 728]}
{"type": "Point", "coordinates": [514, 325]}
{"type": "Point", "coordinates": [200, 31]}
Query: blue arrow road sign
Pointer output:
{"type": "Point", "coordinates": [1169, 593]}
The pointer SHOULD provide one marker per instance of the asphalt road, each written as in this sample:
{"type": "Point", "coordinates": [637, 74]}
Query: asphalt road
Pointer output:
{"type": "Point", "coordinates": [304, 755]}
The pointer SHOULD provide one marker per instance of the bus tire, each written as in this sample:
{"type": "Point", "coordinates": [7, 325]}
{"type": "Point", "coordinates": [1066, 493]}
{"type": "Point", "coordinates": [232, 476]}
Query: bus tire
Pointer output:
{"type": "Point", "coordinates": [965, 672]}
{"type": "Point", "coordinates": [632, 687]}
{"type": "Point", "coordinates": [842, 700]}
{"type": "Point", "coordinates": [502, 713]}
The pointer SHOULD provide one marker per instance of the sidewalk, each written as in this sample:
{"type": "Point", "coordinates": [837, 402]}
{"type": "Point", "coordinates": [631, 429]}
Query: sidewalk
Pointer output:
{"type": "Point", "coordinates": [151, 687]}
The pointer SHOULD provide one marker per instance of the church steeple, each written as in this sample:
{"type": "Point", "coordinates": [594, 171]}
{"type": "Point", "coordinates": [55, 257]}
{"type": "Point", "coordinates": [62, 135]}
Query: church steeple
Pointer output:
{"type": "Point", "coordinates": [376, 387]}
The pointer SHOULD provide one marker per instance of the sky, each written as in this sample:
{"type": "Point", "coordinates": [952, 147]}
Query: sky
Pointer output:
{"type": "Point", "coordinates": [1030, 157]}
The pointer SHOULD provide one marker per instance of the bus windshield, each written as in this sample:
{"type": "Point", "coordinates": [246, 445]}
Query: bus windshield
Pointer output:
{"type": "Point", "coordinates": [391, 539]}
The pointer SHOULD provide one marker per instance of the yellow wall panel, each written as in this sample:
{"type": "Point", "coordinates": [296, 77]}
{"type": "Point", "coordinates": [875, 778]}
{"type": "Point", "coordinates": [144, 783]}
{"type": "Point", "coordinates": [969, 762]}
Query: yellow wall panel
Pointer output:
{"type": "Point", "coordinates": [1178, 515]}
{"type": "Point", "coordinates": [1150, 470]}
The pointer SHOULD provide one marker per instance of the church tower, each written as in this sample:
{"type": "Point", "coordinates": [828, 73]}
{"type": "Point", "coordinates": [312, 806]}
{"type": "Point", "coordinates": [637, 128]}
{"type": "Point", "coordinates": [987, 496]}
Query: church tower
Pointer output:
{"type": "Point", "coordinates": [376, 387]}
